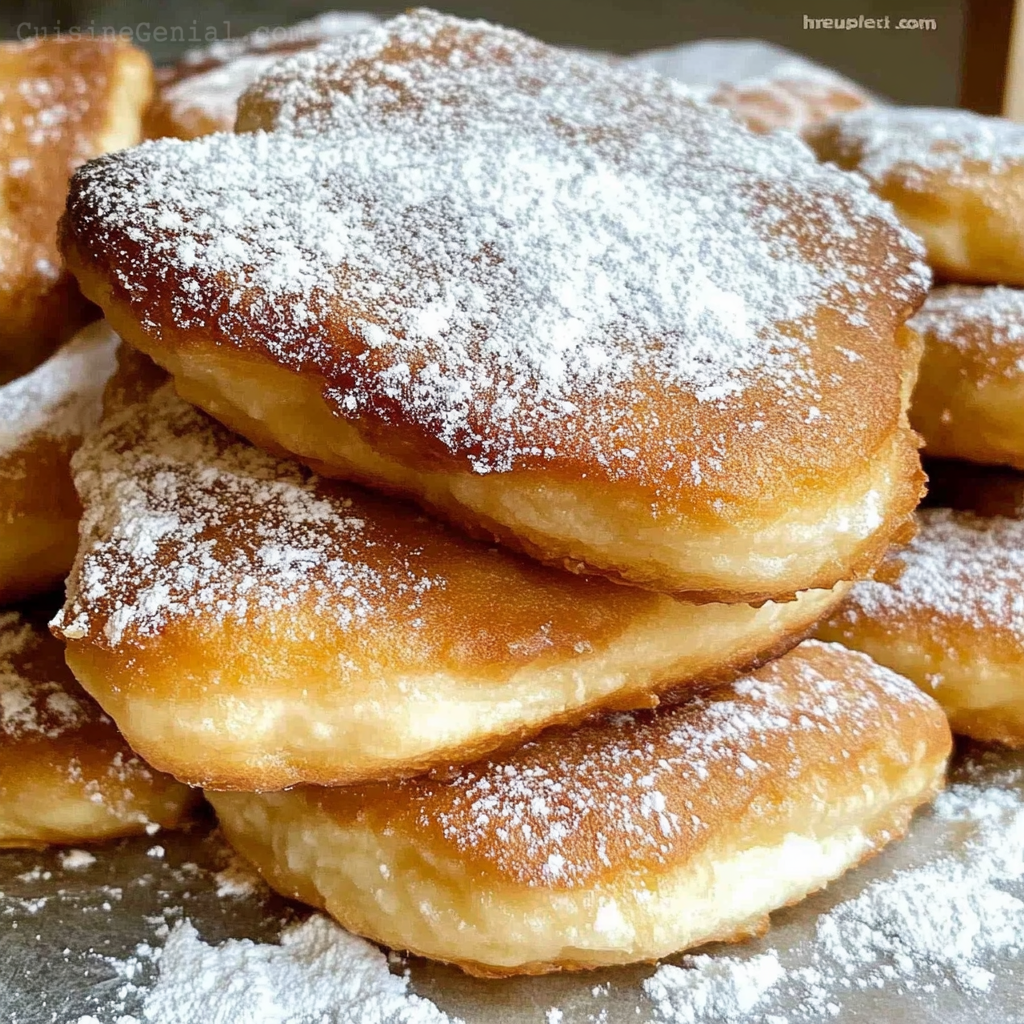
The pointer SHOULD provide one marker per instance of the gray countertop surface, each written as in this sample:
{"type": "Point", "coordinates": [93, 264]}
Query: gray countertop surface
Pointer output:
{"type": "Point", "coordinates": [58, 925]}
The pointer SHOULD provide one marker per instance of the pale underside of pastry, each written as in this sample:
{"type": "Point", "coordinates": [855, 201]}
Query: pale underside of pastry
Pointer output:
{"type": "Point", "coordinates": [629, 839]}
{"type": "Point", "coordinates": [250, 626]}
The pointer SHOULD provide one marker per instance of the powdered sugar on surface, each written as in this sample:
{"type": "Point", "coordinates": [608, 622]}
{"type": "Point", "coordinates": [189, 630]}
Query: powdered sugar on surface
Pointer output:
{"type": "Point", "coordinates": [959, 568]}
{"type": "Point", "coordinates": [183, 518]}
{"type": "Point", "coordinates": [60, 399]}
{"type": "Point", "coordinates": [944, 923]}
{"type": "Point", "coordinates": [708, 988]}
{"type": "Point", "coordinates": [566, 808]}
{"type": "Point", "coordinates": [316, 973]}
{"type": "Point", "coordinates": [512, 245]}
{"type": "Point", "coordinates": [914, 142]}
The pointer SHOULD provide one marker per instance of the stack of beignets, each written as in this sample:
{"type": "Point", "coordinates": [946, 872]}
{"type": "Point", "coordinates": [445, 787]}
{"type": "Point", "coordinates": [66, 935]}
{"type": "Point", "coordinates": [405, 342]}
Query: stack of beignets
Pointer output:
{"type": "Point", "coordinates": [250, 626]}
{"type": "Point", "coordinates": [658, 360]}
{"type": "Point", "coordinates": [66, 775]}
{"type": "Point", "coordinates": [951, 621]}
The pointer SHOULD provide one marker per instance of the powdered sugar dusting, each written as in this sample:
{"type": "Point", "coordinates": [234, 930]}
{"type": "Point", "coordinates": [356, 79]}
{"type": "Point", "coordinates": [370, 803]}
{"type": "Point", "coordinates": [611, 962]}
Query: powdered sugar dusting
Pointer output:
{"type": "Point", "coordinates": [978, 321]}
{"type": "Point", "coordinates": [708, 988]}
{"type": "Point", "coordinates": [917, 141]}
{"type": "Point", "coordinates": [317, 971]}
{"type": "Point", "coordinates": [960, 568]}
{"type": "Point", "coordinates": [639, 787]}
{"type": "Point", "coordinates": [61, 398]}
{"type": "Point", "coordinates": [183, 518]}
{"type": "Point", "coordinates": [30, 704]}
{"type": "Point", "coordinates": [501, 239]}
{"type": "Point", "coordinates": [209, 80]}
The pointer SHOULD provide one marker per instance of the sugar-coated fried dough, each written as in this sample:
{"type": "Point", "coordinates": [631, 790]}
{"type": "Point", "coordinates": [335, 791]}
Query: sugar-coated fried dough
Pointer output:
{"type": "Point", "coordinates": [62, 101]}
{"type": "Point", "coordinates": [248, 626]}
{"type": "Point", "coordinates": [953, 621]}
{"type": "Point", "coordinates": [767, 88]}
{"type": "Point", "coordinates": [969, 399]}
{"type": "Point", "coordinates": [199, 94]}
{"type": "Point", "coordinates": [627, 840]}
{"type": "Point", "coordinates": [43, 417]}
{"type": "Point", "coordinates": [66, 775]}
{"type": "Point", "coordinates": [955, 178]}
{"type": "Point", "coordinates": [595, 321]}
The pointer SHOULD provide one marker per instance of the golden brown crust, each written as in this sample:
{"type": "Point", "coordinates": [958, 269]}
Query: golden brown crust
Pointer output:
{"type": "Point", "coordinates": [813, 416]}
{"type": "Point", "coordinates": [66, 775]}
{"type": "Point", "coordinates": [955, 178]}
{"type": "Point", "coordinates": [969, 402]}
{"type": "Point", "coordinates": [43, 417]}
{"type": "Point", "coordinates": [952, 621]}
{"type": "Point", "coordinates": [65, 101]}
{"type": "Point", "coordinates": [250, 627]}
{"type": "Point", "coordinates": [588, 846]}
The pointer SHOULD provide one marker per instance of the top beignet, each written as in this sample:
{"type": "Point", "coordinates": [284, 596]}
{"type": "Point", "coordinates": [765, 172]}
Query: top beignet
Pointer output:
{"type": "Point", "coordinates": [558, 302]}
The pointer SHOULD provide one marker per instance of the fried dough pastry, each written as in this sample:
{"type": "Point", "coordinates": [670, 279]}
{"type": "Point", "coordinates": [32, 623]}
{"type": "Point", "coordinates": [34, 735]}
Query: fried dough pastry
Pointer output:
{"type": "Point", "coordinates": [43, 417]}
{"type": "Point", "coordinates": [594, 321]}
{"type": "Point", "coordinates": [62, 102]}
{"type": "Point", "coordinates": [627, 840]}
{"type": "Point", "coordinates": [955, 177]}
{"type": "Point", "coordinates": [953, 621]}
{"type": "Point", "coordinates": [199, 94]}
{"type": "Point", "coordinates": [766, 87]}
{"type": "Point", "coordinates": [248, 626]}
{"type": "Point", "coordinates": [66, 775]}
{"type": "Point", "coordinates": [969, 400]}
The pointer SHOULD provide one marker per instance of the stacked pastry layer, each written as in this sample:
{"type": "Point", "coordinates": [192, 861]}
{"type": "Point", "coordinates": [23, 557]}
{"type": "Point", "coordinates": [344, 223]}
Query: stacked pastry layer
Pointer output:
{"type": "Point", "coordinates": [523, 416]}
{"type": "Point", "coordinates": [66, 775]}
{"type": "Point", "coordinates": [952, 620]}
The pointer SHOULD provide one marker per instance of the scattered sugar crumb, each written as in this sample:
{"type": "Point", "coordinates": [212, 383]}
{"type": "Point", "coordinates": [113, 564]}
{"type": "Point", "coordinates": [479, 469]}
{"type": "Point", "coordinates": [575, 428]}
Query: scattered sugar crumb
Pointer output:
{"type": "Point", "coordinates": [317, 971]}
{"type": "Point", "coordinates": [75, 860]}
{"type": "Point", "coordinates": [238, 879]}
